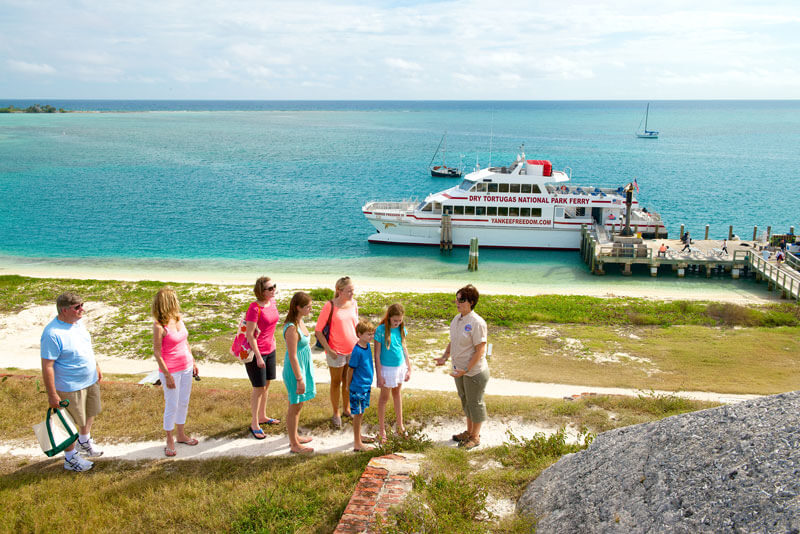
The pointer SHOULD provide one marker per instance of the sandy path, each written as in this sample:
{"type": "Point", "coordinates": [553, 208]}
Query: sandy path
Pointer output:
{"type": "Point", "coordinates": [440, 432]}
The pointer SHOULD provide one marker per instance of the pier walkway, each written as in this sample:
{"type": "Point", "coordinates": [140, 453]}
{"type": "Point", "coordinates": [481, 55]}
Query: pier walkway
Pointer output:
{"type": "Point", "coordinates": [743, 258]}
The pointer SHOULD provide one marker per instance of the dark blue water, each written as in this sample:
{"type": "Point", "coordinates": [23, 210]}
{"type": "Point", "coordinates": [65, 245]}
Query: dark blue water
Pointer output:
{"type": "Point", "coordinates": [284, 181]}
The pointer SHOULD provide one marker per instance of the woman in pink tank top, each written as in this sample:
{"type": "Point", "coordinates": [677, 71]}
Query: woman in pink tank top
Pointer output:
{"type": "Point", "coordinates": [176, 366]}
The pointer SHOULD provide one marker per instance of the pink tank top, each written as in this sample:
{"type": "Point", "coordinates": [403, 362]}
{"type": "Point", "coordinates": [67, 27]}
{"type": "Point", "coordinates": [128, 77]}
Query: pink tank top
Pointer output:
{"type": "Point", "coordinates": [175, 349]}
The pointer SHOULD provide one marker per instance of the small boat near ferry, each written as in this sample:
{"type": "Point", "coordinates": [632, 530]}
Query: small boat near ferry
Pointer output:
{"type": "Point", "coordinates": [523, 205]}
{"type": "Point", "coordinates": [443, 171]}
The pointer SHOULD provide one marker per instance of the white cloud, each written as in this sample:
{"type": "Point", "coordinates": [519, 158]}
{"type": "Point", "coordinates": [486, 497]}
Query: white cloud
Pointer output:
{"type": "Point", "coordinates": [402, 64]}
{"type": "Point", "coordinates": [30, 68]}
{"type": "Point", "coordinates": [272, 49]}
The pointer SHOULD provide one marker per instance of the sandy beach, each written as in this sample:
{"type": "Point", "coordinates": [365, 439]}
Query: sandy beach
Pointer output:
{"type": "Point", "coordinates": [609, 286]}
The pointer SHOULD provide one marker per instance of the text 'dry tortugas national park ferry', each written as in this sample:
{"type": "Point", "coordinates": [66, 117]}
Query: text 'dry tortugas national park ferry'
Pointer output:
{"type": "Point", "coordinates": [524, 205]}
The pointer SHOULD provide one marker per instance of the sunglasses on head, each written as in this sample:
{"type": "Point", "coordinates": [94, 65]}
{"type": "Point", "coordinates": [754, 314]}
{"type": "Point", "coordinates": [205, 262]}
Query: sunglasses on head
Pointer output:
{"type": "Point", "coordinates": [77, 307]}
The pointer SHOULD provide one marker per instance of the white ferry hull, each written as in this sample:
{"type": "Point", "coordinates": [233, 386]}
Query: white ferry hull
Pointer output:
{"type": "Point", "coordinates": [488, 237]}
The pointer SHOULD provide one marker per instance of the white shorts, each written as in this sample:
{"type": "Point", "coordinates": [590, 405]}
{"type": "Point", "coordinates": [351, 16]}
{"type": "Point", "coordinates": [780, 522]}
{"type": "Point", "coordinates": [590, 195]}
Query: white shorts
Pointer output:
{"type": "Point", "coordinates": [393, 376]}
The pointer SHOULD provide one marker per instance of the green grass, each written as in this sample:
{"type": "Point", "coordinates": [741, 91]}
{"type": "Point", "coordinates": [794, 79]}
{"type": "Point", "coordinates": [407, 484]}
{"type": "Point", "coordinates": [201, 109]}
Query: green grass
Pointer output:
{"type": "Point", "coordinates": [283, 494]}
{"type": "Point", "coordinates": [761, 360]}
{"type": "Point", "coordinates": [690, 345]}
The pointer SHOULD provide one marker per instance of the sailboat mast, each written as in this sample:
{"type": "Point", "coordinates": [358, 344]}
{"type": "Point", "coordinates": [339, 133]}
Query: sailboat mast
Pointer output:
{"type": "Point", "coordinates": [646, 113]}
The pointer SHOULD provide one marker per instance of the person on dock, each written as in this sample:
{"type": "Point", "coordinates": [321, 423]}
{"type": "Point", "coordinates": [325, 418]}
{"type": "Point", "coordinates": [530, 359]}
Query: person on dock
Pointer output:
{"type": "Point", "coordinates": [70, 372]}
{"type": "Point", "coordinates": [298, 372]}
{"type": "Point", "coordinates": [392, 366]}
{"type": "Point", "coordinates": [725, 246]}
{"type": "Point", "coordinates": [261, 319]}
{"type": "Point", "coordinates": [662, 251]}
{"type": "Point", "coordinates": [687, 242]}
{"type": "Point", "coordinates": [470, 370]}
{"type": "Point", "coordinates": [175, 364]}
{"type": "Point", "coordinates": [339, 317]}
{"type": "Point", "coordinates": [361, 376]}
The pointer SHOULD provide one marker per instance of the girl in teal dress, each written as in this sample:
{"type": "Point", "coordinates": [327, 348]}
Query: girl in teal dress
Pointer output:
{"type": "Point", "coordinates": [297, 373]}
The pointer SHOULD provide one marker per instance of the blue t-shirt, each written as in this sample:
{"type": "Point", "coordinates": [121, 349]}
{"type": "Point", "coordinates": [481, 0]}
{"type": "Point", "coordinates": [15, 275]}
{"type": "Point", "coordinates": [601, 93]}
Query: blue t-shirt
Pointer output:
{"type": "Point", "coordinates": [361, 364]}
{"type": "Point", "coordinates": [70, 345]}
{"type": "Point", "coordinates": [391, 356]}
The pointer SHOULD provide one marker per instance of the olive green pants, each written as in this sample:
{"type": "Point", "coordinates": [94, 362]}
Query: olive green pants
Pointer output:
{"type": "Point", "coordinates": [470, 391]}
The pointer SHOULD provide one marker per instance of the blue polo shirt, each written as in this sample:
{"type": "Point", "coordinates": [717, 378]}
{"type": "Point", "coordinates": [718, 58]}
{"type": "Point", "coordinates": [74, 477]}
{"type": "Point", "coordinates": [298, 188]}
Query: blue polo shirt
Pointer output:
{"type": "Point", "coordinates": [363, 372]}
{"type": "Point", "coordinates": [70, 345]}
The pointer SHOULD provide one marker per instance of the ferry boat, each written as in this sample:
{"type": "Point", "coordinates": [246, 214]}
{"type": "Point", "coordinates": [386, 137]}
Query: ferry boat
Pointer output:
{"type": "Point", "coordinates": [524, 205]}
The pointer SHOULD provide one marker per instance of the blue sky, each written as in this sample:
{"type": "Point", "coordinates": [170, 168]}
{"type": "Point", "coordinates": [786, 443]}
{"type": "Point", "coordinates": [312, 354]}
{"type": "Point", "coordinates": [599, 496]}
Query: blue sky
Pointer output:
{"type": "Point", "coordinates": [523, 50]}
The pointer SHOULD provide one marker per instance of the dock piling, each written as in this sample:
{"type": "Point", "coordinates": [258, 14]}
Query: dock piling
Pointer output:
{"type": "Point", "coordinates": [730, 232]}
{"type": "Point", "coordinates": [473, 254]}
{"type": "Point", "coordinates": [755, 232]}
{"type": "Point", "coordinates": [769, 233]}
{"type": "Point", "coordinates": [680, 235]}
{"type": "Point", "coordinates": [706, 238]}
{"type": "Point", "coordinates": [446, 237]}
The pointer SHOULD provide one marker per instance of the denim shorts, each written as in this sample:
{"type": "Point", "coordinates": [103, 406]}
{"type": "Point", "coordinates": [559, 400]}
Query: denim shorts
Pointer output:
{"type": "Point", "coordinates": [359, 401]}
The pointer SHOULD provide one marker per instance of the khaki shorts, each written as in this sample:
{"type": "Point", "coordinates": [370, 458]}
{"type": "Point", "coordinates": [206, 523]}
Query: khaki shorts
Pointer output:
{"type": "Point", "coordinates": [83, 404]}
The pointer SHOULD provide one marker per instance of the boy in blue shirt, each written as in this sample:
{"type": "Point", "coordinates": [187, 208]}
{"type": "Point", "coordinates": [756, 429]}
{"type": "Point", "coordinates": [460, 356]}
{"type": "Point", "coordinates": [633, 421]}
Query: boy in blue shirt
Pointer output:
{"type": "Point", "coordinates": [361, 376]}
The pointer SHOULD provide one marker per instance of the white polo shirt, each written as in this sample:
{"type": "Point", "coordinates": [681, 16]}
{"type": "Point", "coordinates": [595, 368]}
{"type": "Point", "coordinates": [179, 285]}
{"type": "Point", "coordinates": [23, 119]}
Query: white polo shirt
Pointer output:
{"type": "Point", "coordinates": [466, 332]}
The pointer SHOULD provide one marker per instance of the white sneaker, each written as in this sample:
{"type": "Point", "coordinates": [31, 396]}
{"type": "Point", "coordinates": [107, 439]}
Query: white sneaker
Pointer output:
{"type": "Point", "coordinates": [77, 463]}
{"type": "Point", "coordinates": [88, 449]}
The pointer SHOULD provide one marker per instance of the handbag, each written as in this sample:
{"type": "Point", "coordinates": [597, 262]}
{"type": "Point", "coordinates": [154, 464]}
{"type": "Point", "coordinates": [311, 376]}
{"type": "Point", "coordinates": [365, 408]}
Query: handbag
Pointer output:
{"type": "Point", "coordinates": [57, 432]}
{"type": "Point", "coordinates": [240, 348]}
{"type": "Point", "coordinates": [327, 330]}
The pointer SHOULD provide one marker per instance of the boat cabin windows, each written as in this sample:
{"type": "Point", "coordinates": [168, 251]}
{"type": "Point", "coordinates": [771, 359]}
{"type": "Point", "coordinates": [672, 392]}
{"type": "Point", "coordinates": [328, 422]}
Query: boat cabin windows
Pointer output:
{"type": "Point", "coordinates": [493, 188]}
{"type": "Point", "coordinates": [481, 188]}
{"type": "Point", "coordinates": [466, 185]}
{"type": "Point", "coordinates": [504, 188]}
{"type": "Point", "coordinates": [580, 212]}
{"type": "Point", "coordinates": [514, 188]}
{"type": "Point", "coordinates": [493, 211]}
{"type": "Point", "coordinates": [430, 207]}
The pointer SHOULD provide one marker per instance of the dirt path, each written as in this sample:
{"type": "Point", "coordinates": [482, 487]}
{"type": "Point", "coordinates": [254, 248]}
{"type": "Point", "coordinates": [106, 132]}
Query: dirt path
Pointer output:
{"type": "Point", "coordinates": [440, 432]}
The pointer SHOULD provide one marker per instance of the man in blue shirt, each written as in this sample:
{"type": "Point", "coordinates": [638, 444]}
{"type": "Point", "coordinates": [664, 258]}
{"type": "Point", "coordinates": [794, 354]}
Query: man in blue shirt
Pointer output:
{"type": "Point", "coordinates": [70, 372]}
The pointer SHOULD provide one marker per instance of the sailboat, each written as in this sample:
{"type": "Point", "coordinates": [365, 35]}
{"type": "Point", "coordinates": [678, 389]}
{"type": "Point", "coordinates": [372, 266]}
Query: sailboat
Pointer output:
{"type": "Point", "coordinates": [443, 171]}
{"type": "Point", "coordinates": [646, 134]}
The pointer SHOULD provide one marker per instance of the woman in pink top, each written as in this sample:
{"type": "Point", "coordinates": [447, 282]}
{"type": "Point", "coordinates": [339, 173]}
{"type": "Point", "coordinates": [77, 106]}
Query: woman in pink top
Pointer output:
{"type": "Point", "coordinates": [341, 340]}
{"type": "Point", "coordinates": [176, 366]}
{"type": "Point", "coordinates": [262, 317]}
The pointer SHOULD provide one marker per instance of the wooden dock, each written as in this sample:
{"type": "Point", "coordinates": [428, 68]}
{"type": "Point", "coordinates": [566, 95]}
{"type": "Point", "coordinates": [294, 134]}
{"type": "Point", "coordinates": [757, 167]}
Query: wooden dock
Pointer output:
{"type": "Point", "coordinates": [743, 258]}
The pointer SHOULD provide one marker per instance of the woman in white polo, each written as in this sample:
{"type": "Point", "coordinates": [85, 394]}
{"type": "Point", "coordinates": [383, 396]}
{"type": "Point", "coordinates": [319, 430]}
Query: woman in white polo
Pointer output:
{"type": "Point", "coordinates": [467, 348]}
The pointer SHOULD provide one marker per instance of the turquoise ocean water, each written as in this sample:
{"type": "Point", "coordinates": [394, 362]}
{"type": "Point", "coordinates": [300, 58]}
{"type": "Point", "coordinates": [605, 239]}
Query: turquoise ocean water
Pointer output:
{"type": "Point", "coordinates": [260, 186]}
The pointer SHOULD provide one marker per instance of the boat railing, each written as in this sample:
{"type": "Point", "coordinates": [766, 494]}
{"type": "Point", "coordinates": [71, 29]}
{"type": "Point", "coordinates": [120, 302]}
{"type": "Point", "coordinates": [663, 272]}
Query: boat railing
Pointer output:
{"type": "Point", "coordinates": [401, 206]}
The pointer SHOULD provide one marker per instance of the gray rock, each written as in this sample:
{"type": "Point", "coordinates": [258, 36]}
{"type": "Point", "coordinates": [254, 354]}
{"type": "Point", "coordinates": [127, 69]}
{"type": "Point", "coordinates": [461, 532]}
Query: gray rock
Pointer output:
{"type": "Point", "coordinates": [735, 468]}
